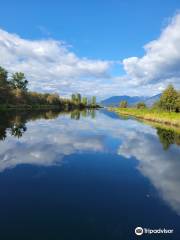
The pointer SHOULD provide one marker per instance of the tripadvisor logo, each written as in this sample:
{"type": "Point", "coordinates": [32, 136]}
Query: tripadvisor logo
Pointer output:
{"type": "Point", "coordinates": [139, 231]}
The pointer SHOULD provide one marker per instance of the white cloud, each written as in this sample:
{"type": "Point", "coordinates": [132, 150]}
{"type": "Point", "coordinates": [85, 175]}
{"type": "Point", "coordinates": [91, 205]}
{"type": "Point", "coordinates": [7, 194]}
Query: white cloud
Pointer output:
{"type": "Point", "coordinates": [160, 64]}
{"type": "Point", "coordinates": [49, 64]}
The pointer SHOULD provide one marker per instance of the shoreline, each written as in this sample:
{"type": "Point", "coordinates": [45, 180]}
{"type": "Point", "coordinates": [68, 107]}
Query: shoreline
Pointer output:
{"type": "Point", "coordinates": [26, 107]}
{"type": "Point", "coordinates": [171, 119]}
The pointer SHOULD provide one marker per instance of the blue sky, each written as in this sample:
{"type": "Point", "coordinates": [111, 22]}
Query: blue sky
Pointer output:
{"type": "Point", "coordinates": [105, 31]}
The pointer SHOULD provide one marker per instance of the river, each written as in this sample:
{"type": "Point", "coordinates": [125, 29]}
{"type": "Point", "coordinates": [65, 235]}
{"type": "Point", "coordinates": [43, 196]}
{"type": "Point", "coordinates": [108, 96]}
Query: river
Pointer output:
{"type": "Point", "coordinates": [86, 175]}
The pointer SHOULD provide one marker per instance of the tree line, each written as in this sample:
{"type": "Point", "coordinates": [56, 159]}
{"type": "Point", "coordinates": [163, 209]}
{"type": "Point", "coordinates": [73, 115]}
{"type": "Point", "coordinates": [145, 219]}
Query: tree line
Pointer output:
{"type": "Point", "coordinates": [14, 93]}
{"type": "Point", "coordinates": [169, 101]}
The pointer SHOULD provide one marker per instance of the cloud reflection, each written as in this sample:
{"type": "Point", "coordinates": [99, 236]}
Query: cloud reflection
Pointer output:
{"type": "Point", "coordinates": [48, 142]}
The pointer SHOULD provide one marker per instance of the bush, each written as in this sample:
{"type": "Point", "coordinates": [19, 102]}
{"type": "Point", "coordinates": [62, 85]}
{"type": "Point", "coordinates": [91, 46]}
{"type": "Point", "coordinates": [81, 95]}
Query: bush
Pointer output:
{"type": "Point", "coordinates": [141, 105]}
{"type": "Point", "coordinates": [123, 104]}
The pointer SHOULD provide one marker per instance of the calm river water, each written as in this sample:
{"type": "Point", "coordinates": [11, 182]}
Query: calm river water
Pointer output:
{"type": "Point", "coordinates": [87, 176]}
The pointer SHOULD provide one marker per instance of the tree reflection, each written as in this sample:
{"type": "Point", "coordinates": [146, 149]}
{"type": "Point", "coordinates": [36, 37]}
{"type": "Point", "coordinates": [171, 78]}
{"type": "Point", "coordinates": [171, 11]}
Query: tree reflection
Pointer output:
{"type": "Point", "coordinates": [18, 130]}
{"type": "Point", "coordinates": [76, 114]}
{"type": "Point", "coordinates": [168, 137]}
{"type": "Point", "coordinates": [92, 113]}
{"type": "Point", "coordinates": [15, 122]}
{"type": "Point", "coordinates": [2, 133]}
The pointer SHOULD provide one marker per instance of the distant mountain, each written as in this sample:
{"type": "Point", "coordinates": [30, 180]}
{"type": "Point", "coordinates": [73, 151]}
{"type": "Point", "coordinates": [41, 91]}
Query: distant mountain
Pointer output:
{"type": "Point", "coordinates": [115, 100]}
{"type": "Point", "coordinates": [151, 100]}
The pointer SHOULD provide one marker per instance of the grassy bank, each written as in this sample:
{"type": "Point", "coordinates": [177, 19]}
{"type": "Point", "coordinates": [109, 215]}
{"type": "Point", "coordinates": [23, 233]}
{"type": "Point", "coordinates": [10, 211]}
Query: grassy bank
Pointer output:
{"type": "Point", "coordinates": [170, 118]}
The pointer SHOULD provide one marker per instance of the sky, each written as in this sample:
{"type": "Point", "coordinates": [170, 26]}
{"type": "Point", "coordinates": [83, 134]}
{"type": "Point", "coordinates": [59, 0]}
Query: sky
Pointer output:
{"type": "Point", "coordinates": [97, 47]}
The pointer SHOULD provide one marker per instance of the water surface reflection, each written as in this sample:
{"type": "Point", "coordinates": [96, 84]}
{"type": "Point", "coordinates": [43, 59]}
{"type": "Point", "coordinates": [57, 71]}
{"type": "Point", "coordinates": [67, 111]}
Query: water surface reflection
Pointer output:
{"type": "Point", "coordinates": [120, 152]}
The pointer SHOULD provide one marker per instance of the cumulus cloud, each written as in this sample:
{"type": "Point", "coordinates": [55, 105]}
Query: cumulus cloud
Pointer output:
{"type": "Point", "coordinates": [160, 64]}
{"type": "Point", "coordinates": [49, 64]}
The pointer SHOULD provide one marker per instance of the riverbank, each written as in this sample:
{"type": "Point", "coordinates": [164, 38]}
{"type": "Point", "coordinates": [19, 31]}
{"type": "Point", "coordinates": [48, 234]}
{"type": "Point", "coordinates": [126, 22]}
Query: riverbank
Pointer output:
{"type": "Point", "coordinates": [170, 118]}
{"type": "Point", "coordinates": [9, 107]}
{"type": "Point", "coordinates": [22, 107]}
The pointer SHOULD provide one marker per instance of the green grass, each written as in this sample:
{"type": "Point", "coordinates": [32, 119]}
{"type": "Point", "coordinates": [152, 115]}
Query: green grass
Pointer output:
{"type": "Point", "coordinates": [170, 118]}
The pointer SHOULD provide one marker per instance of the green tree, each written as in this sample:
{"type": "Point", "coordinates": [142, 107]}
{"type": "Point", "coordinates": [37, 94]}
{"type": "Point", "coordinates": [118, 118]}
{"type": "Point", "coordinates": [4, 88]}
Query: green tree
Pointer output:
{"type": "Point", "coordinates": [19, 81]}
{"type": "Point", "coordinates": [123, 104]}
{"type": "Point", "coordinates": [84, 101]}
{"type": "Point", "coordinates": [168, 99]}
{"type": "Point", "coordinates": [5, 93]}
{"type": "Point", "coordinates": [3, 77]}
{"type": "Point", "coordinates": [141, 105]}
{"type": "Point", "coordinates": [178, 103]}
{"type": "Point", "coordinates": [78, 98]}
{"type": "Point", "coordinates": [73, 98]}
{"type": "Point", "coordinates": [93, 101]}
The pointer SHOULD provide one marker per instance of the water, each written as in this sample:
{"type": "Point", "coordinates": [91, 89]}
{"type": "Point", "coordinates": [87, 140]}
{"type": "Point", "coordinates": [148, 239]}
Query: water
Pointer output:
{"type": "Point", "coordinates": [89, 175]}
